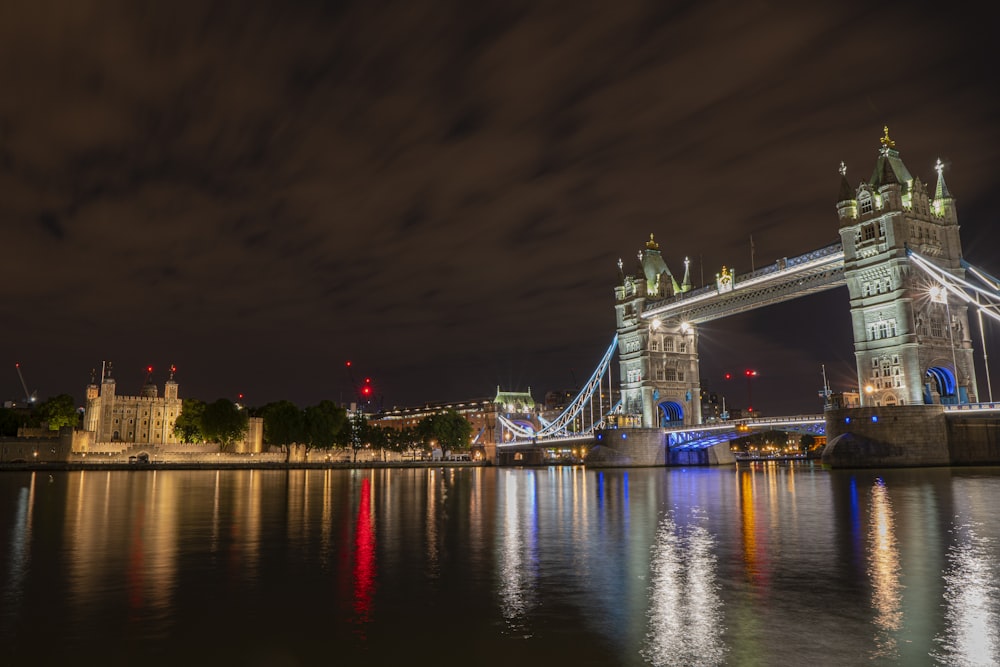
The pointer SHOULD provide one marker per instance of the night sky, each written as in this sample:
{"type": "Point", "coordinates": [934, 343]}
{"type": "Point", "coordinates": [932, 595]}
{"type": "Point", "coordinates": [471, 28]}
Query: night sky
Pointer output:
{"type": "Point", "coordinates": [440, 191]}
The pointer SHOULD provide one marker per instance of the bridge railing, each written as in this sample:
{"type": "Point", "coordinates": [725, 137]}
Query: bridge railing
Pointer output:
{"type": "Point", "coordinates": [973, 407]}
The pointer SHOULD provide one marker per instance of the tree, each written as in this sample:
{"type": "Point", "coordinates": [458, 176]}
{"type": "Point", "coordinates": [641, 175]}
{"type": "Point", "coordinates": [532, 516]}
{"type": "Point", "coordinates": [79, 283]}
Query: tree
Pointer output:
{"type": "Point", "coordinates": [187, 426]}
{"type": "Point", "coordinates": [323, 423]}
{"type": "Point", "coordinates": [224, 423]}
{"type": "Point", "coordinates": [59, 411]}
{"type": "Point", "coordinates": [283, 423]}
{"type": "Point", "coordinates": [11, 420]}
{"type": "Point", "coordinates": [399, 440]}
{"type": "Point", "coordinates": [807, 441]}
{"type": "Point", "coordinates": [450, 430]}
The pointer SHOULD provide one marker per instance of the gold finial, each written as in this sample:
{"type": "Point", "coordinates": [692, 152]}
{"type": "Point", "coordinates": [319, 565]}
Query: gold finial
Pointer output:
{"type": "Point", "coordinates": [885, 140]}
{"type": "Point", "coordinates": [651, 244]}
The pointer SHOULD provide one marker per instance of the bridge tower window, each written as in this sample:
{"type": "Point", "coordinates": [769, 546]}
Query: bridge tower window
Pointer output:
{"type": "Point", "coordinates": [671, 375]}
{"type": "Point", "coordinates": [668, 344]}
{"type": "Point", "coordinates": [865, 203]}
{"type": "Point", "coordinates": [937, 327]}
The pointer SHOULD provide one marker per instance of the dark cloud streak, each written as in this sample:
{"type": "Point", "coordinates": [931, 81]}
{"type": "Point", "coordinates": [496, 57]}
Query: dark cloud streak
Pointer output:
{"type": "Point", "coordinates": [257, 191]}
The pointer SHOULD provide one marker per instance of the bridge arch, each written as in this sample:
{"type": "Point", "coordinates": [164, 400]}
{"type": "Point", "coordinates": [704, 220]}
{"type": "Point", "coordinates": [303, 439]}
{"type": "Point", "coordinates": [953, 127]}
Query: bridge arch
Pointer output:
{"type": "Point", "coordinates": [671, 413]}
{"type": "Point", "coordinates": [940, 380]}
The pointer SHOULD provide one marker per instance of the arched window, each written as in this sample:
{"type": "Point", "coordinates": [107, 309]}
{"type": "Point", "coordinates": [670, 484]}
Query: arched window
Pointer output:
{"type": "Point", "coordinates": [865, 202]}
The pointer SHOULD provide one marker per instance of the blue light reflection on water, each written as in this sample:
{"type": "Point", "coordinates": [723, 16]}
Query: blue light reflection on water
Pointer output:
{"type": "Point", "coordinates": [761, 564]}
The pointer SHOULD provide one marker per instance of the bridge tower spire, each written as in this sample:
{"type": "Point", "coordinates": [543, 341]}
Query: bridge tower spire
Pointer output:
{"type": "Point", "coordinates": [911, 343]}
{"type": "Point", "coordinates": [657, 357]}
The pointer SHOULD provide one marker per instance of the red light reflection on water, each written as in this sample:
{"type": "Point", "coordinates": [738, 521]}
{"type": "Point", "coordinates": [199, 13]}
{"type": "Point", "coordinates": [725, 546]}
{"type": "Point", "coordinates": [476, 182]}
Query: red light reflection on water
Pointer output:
{"type": "Point", "coordinates": [364, 557]}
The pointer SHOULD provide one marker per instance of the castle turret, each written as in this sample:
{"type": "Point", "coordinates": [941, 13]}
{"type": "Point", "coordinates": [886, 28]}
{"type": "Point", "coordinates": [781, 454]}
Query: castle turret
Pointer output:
{"type": "Point", "coordinates": [170, 387]}
{"type": "Point", "coordinates": [943, 204]}
{"type": "Point", "coordinates": [847, 204]}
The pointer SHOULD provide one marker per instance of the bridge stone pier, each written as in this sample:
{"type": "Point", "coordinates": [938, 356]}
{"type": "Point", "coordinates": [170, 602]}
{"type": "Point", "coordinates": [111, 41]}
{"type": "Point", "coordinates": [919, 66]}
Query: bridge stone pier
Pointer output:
{"type": "Point", "coordinates": [628, 447]}
{"type": "Point", "coordinates": [912, 435]}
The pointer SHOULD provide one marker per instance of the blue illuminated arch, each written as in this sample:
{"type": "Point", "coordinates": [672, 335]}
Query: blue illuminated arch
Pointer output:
{"type": "Point", "coordinates": [944, 382]}
{"type": "Point", "coordinates": [525, 424]}
{"type": "Point", "coordinates": [672, 413]}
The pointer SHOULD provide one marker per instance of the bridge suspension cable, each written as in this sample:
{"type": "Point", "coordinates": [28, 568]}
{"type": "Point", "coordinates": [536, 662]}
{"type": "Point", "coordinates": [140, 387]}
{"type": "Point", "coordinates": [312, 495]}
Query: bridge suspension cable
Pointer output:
{"type": "Point", "coordinates": [960, 287]}
{"type": "Point", "coordinates": [558, 426]}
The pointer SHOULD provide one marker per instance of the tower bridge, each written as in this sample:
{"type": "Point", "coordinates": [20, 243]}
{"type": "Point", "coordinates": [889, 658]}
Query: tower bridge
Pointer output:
{"type": "Point", "coordinates": [909, 290]}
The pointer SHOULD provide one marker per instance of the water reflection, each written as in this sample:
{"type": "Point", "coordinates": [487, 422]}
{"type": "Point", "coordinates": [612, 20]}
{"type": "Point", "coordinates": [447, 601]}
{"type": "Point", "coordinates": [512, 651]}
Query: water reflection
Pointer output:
{"type": "Point", "coordinates": [20, 556]}
{"type": "Point", "coordinates": [364, 557]}
{"type": "Point", "coordinates": [516, 552]}
{"type": "Point", "coordinates": [685, 615]}
{"type": "Point", "coordinates": [972, 618]}
{"type": "Point", "coordinates": [883, 571]}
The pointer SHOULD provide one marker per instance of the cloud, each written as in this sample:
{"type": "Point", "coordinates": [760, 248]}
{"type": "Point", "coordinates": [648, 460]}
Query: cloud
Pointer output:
{"type": "Point", "coordinates": [440, 190]}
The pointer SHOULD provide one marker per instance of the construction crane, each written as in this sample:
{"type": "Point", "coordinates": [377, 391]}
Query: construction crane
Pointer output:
{"type": "Point", "coordinates": [29, 396]}
{"type": "Point", "coordinates": [363, 392]}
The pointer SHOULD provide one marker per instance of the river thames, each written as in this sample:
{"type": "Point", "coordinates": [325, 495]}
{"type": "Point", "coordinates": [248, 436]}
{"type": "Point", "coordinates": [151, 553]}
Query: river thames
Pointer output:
{"type": "Point", "coordinates": [756, 564]}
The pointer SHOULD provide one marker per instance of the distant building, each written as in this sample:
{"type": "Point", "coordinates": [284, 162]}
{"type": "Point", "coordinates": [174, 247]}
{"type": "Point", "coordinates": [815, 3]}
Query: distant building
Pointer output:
{"type": "Point", "coordinates": [480, 413]}
{"type": "Point", "coordinates": [144, 419]}
{"type": "Point", "coordinates": [147, 419]}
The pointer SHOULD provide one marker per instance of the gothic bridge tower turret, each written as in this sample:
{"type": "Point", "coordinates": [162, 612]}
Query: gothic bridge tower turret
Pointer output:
{"type": "Point", "coordinates": [911, 339]}
{"type": "Point", "coordinates": [658, 358]}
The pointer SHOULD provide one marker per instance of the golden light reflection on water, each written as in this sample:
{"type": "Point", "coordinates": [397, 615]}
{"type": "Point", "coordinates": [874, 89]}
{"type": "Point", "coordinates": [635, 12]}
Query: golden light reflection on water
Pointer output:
{"type": "Point", "coordinates": [972, 603]}
{"type": "Point", "coordinates": [883, 572]}
{"type": "Point", "coordinates": [753, 553]}
{"type": "Point", "coordinates": [514, 554]}
{"type": "Point", "coordinates": [133, 543]}
{"type": "Point", "coordinates": [685, 614]}
{"type": "Point", "coordinates": [430, 520]}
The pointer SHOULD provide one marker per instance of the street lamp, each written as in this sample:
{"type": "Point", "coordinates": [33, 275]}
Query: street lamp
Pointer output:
{"type": "Point", "coordinates": [869, 390]}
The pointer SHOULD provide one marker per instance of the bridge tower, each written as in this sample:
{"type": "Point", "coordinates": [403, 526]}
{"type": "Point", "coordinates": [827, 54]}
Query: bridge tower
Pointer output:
{"type": "Point", "coordinates": [911, 341]}
{"type": "Point", "coordinates": [658, 358]}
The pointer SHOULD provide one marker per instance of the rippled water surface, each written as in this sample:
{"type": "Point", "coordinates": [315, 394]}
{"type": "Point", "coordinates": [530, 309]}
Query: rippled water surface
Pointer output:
{"type": "Point", "coordinates": [761, 565]}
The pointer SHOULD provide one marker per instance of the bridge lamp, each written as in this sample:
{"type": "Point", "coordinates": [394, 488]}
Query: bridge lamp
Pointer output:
{"type": "Point", "coordinates": [869, 390]}
{"type": "Point", "coordinates": [655, 325]}
{"type": "Point", "coordinates": [685, 328]}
